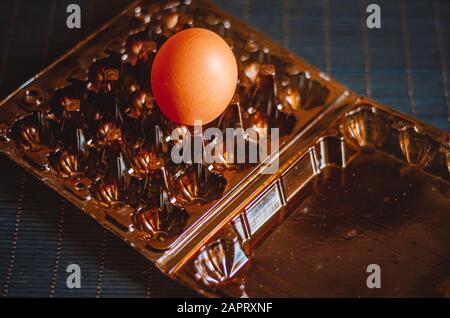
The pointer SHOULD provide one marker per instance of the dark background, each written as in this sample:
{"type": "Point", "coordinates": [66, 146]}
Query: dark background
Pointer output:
{"type": "Point", "coordinates": [404, 64]}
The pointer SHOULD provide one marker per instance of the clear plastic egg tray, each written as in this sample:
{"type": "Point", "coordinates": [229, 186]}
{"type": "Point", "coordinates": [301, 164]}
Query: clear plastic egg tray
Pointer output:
{"type": "Point", "coordinates": [89, 128]}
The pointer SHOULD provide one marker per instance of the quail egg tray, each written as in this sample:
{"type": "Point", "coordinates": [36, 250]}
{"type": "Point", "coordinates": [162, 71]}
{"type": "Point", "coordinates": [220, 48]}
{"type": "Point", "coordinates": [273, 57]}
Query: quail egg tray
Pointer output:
{"type": "Point", "coordinates": [89, 128]}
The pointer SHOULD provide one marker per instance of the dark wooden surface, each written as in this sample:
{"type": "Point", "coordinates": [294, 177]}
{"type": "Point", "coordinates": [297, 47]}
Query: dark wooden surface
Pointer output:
{"type": "Point", "coordinates": [404, 64]}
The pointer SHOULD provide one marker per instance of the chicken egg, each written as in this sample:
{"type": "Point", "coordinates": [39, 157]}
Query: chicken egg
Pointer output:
{"type": "Point", "coordinates": [194, 76]}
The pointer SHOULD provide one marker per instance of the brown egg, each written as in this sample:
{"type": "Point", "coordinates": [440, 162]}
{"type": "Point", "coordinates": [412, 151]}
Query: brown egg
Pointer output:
{"type": "Point", "coordinates": [194, 76]}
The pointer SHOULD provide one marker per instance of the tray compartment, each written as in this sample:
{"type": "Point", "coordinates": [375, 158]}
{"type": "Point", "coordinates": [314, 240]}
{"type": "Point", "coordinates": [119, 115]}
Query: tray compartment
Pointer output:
{"type": "Point", "coordinates": [358, 194]}
{"type": "Point", "coordinates": [89, 126]}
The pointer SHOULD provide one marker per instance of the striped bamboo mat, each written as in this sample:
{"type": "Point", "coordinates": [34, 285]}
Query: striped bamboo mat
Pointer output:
{"type": "Point", "coordinates": [404, 64]}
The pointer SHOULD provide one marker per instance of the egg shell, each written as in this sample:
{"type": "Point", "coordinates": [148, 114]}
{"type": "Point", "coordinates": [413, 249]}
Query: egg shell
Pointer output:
{"type": "Point", "coordinates": [194, 76]}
